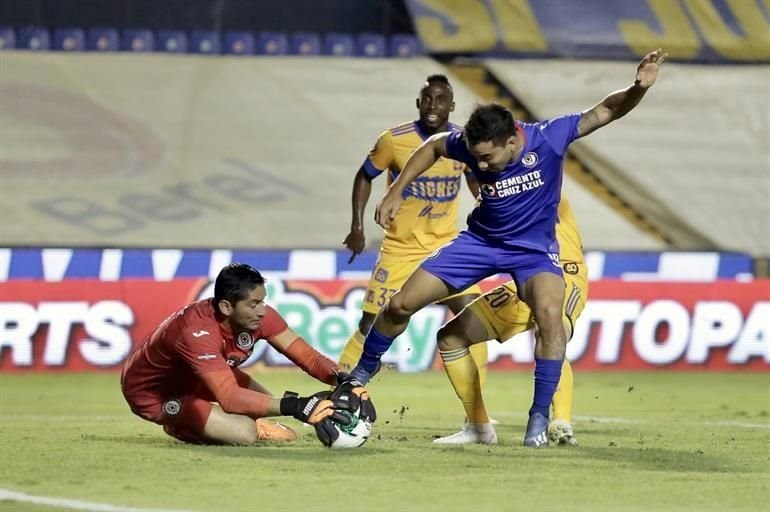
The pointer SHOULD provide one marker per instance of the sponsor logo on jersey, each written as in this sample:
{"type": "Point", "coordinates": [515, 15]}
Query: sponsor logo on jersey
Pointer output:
{"type": "Point", "coordinates": [172, 407]}
{"type": "Point", "coordinates": [200, 333]}
{"type": "Point", "coordinates": [206, 357]}
{"type": "Point", "coordinates": [244, 341]}
{"type": "Point", "coordinates": [381, 275]}
{"type": "Point", "coordinates": [571, 268]}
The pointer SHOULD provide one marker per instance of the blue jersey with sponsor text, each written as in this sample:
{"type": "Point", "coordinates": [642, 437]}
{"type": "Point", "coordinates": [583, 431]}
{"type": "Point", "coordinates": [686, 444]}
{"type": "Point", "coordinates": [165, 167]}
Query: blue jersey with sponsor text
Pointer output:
{"type": "Point", "coordinates": [518, 205]}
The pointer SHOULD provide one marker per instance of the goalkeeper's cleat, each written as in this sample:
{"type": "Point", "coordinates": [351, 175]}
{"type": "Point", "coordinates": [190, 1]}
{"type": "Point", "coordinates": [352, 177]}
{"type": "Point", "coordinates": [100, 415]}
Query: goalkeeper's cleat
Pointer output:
{"type": "Point", "coordinates": [480, 433]}
{"type": "Point", "coordinates": [537, 427]}
{"type": "Point", "coordinates": [273, 431]}
{"type": "Point", "coordinates": [561, 432]}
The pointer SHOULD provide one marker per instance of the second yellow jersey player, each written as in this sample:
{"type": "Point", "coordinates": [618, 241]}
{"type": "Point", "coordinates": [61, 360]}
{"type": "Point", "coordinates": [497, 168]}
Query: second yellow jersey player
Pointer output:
{"type": "Point", "coordinates": [500, 315]}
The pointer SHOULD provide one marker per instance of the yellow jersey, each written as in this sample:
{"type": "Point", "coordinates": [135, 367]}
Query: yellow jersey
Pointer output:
{"type": "Point", "coordinates": [567, 234]}
{"type": "Point", "coordinates": [428, 216]}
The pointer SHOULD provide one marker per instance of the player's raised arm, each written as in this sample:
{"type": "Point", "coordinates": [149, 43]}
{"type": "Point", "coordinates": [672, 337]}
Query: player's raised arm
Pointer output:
{"type": "Point", "coordinates": [620, 103]}
{"type": "Point", "coordinates": [420, 161]}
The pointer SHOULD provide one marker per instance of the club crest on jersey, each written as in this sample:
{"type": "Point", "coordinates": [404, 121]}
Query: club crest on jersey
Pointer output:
{"type": "Point", "coordinates": [244, 341]}
{"type": "Point", "coordinates": [529, 160]}
{"type": "Point", "coordinates": [172, 407]}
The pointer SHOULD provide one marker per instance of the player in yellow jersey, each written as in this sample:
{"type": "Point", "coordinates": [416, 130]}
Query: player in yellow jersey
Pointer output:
{"type": "Point", "coordinates": [427, 220]}
{"type": "Point", "coordinates": [499, 314]}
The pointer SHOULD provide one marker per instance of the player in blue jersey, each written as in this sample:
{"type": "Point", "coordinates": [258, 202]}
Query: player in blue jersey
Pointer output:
{"type": "Point", "coordinates": [512, 229]}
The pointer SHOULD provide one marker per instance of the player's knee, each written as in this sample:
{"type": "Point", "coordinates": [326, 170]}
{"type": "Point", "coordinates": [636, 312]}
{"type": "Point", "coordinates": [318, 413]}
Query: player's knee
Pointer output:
{"type": "Point", "coordinates": [549, 315]}
{"type": "Point", "coordinates": [450, 339]}
{"type": "Point", "coordinates": [398, 309]}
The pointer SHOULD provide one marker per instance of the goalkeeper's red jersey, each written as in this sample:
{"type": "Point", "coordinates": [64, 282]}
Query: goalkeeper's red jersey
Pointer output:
{"type": "Point", "coordinates": [194, 341]}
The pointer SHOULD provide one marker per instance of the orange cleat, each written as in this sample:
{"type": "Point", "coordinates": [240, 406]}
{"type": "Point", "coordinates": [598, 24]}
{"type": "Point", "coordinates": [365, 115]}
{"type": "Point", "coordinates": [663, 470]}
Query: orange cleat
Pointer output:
{"type": "Point", "coordinates": [273, 431]}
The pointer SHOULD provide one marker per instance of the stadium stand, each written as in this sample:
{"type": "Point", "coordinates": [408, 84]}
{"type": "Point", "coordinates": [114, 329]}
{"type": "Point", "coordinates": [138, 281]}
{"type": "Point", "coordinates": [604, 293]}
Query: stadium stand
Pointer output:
{"type": "Point", "coordinates": [7, 38]}
{"type": "Point", "coordinates": [137, 40]}
{"type": "Point", "coordinates": [238, 43]}
{"type": "Point", "coordinates": [69, 39]}
{"type": "Point", "coordinates": [102, 39]}
{"type": "Point", "coordinates": [273, 139]}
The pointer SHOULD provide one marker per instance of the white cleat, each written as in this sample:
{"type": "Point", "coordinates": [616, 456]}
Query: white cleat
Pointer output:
{"type": "Point", "coordinates": [472, 433]}
{"type": "Point", "coordinates": [561, 432]}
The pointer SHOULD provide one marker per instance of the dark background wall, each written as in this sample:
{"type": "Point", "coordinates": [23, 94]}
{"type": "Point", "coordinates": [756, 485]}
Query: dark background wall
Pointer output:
{"type": "Point", "coordinates": [379, 16]}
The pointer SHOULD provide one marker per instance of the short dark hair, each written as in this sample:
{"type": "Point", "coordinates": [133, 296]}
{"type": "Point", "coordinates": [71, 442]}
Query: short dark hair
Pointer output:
{"type": "Point", "coordinates": [438, 78]}
{"type": "Point", "coordinates": [491, 122]}
{"type": "Point", "coordinates": [235, 282]}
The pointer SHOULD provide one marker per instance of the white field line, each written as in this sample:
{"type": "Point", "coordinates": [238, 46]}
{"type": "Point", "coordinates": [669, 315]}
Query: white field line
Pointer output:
{"type": "Point", "coordinates": [8, 495]}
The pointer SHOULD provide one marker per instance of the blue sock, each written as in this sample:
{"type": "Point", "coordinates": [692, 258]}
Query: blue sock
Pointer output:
{"type": "Point", "coordinates": [375, 345]}
{"type": "Point", "coordinates": [547, 375]}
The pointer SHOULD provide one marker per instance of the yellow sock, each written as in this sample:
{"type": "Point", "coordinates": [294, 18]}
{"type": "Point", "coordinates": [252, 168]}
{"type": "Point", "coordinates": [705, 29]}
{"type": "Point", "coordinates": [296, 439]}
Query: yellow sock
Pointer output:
{"type": "Point", "coordinates": [481, 358]}
{"type": "Point", "coordinates": [464, 376]}
{"type": "Point", "coordinates": [562, 399]}
{"type": "Point", "coordinates": [352, 351]}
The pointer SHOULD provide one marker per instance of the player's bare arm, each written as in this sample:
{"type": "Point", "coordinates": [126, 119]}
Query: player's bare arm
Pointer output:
{"type": "Point", "coordinates": [620, 103]}
{"type": "Point", "coordinates": [362, 189]}
{"type": "Point", "coordinates": [420, 161]}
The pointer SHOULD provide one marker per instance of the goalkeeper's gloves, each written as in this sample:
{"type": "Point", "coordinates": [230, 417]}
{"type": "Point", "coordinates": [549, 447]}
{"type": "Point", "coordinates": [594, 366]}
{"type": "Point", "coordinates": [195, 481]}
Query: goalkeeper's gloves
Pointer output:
{"type": "Point", "coordinates": [314, 408]}
{"type": "Point", "coordinates": [353, 391]}
{"type": "Point", "coordinates": [317, 410]}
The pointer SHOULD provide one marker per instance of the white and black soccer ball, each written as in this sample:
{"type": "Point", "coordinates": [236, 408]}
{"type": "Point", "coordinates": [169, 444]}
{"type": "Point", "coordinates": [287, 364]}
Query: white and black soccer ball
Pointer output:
{"type": "Point", "coordinates": [353, 435]}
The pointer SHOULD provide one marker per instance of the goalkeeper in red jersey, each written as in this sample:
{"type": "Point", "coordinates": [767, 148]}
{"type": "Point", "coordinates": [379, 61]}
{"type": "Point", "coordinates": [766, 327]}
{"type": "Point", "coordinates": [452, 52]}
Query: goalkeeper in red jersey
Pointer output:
{"type": "Point", "coordinates": [184, 375]}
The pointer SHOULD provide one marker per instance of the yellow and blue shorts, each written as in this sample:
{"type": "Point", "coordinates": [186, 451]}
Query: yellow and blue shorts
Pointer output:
{"type": "Point", "coordinates": [505, 315]}
{"type": "Point", "coordinates": [389, 275]}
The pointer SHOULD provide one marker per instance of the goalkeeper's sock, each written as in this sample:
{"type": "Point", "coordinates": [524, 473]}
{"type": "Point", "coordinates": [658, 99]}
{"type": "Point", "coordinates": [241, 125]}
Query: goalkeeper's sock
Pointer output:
{"type": "Point", "coordinates": [562, 398]}
{"type": "Point", "coordinates": [480, 356]}
{"type": "Point", "coordinates": [352, 351]}
{"type": "Point", "coordinates": [547, 373]}
{"type": "Point", "coordinates": [375, 345]}
{"type": "Point", "coordinates": [464, 376]}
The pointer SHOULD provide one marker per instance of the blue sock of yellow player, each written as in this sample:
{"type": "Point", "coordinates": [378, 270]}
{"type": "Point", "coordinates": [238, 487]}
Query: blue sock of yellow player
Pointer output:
{"type": "Point", "coordinates": [352, 351]}
{"type": "Point", "coordinates": [375, 345]}
{"type": "Point", "coordinates": [463, 373]}
{"type": "Point", "coordinates": [481, 358]}
{"type": "Point", "coordinates": [562, 398]}
{"type": "Point", "coordinates": [547, 374]}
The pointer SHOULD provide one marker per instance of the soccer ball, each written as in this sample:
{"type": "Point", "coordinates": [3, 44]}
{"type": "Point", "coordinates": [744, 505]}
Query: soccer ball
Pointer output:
{"type": "Point", "coordinates": [353, 435]}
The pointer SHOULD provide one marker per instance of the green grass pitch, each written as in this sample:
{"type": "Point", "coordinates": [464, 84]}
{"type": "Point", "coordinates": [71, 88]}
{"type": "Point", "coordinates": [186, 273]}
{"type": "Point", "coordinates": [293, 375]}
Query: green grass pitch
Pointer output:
{"type": "Point", "coordinates": [648, 441]}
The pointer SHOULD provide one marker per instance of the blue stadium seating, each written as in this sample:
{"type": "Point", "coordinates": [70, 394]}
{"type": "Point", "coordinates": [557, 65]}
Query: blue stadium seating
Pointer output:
{"type": "Point", "coordinates": [238, 43]}
{"type": "Point", "coordinates": [34, 38]}
{"type": "Point", "coordinates": [7, 38]}
{"type": "Point", "coordinates": [272, 43]}
{"type": "Point", "coordinates": [370, 45]}
{"type": "Point", "coordinates": [69, 40]}
{"type": "Point", "coordinates": [102, 40]}
{"type": "Point", "coordinates": [205, 41]}
{"type": "Point", "coordinates": [336, 44]}
{"type": "Point", "coordinates": [137, 40]}
{"type": "Point", "coordinates": [171, 41]}
{"type": "Point", "coordinates": [404, 46]}
{"type": "Point", "coordinates": [339, 45]}
{"type": "Point", "coordinates": [305, 43]}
